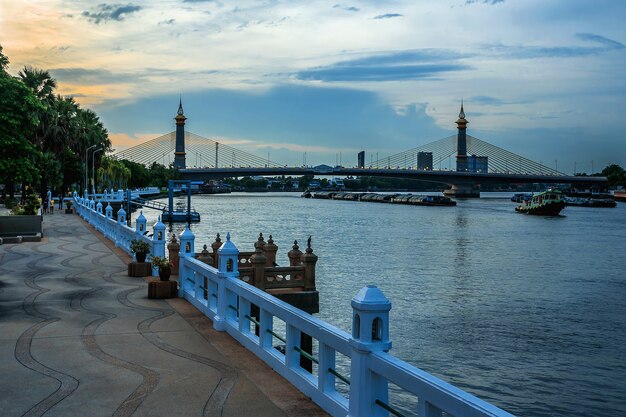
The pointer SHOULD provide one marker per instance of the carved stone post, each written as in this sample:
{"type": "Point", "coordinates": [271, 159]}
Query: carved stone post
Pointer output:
{"type": "Point", "coordinates": [309, 259]}
{"type": "Point", "coordinates": [295, 255]}
{"type": "Point", "coordinates": [173, 249]}
{"type": "Point", "coordinates": [205, 256]}
{"type": "Point", "coordinates": [215, 246]}
{"type": "Point", "coordinates": [270, 250]}
{"type": "Point", "coordinates": [258, 265]}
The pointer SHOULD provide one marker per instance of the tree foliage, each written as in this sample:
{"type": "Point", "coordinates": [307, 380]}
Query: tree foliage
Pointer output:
{"type": "Point", "coordinates": [615, 175]}
{"type": "Point", "coordinates": [43, 135]}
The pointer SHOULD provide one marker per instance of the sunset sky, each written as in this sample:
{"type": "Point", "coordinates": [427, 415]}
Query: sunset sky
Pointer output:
{"type": "Point", "coordinates": [544, 79]}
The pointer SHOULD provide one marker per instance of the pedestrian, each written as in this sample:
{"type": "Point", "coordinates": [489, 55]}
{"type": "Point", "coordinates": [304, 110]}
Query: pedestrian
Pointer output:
{"type": "Point", "coordinates": [45, 205]}
{"type": "Point", "coordinates": [51, 206]}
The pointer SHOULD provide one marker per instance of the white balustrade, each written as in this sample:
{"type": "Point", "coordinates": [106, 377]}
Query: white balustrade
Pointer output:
{"type": "Point", "coordinates": [227, 301]}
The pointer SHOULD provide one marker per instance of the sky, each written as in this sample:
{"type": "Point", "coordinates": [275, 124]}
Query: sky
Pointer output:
{"type": "Point", "coordinates": [543, 79]}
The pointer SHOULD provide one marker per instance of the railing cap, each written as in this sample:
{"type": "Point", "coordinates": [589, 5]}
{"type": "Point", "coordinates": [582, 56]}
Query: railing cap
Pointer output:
{"type": "Point", "coordinates": [228, 247]}
{"type": "Point", "coordinates": [187, 234]}
{"type": "Point", "coordinates": [159, 224]}
{"type": "Point", "coordinates": [371, 298]}
{"type": "Point", "coordinates": [141, 217]}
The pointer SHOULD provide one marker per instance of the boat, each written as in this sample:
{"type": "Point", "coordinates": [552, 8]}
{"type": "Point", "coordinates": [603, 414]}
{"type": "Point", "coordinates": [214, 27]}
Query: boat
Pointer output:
{"type": "Point", "coordinates": [434, 200]}
{"type": "Point", "coordinates": [521, 197]}
{"type": "Point", "coordinates": [307, 194]}
{"type": "Point", "coordinates": [590, 202]}
{"type": "Point", "coordinates": [545, 203]}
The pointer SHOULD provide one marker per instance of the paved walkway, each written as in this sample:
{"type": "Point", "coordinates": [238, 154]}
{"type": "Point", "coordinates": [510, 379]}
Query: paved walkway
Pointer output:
{"type": "Point", "coordinates": [80, 338]}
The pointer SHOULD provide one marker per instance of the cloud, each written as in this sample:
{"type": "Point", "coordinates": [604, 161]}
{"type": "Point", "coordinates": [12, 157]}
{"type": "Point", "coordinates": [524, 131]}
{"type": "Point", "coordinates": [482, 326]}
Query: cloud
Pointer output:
{"type": "Point", "coordinates": [346, 8]}
{"type": "Point", "coordinates": [524, 52]}
{"type": "Point", "coordinates": [167, 22]}
{"type": "Point", "coordinates": [108, 12]}
{"type": "Point", "coordinates": [608, 43]}
{"type": "Point", "coordinates": [293, 117]}
{"type": "Point", "coordinates": [403, 65]}
{"type": "Point", "coordinates": [490, 2]}
{"type": "Point", "coordinates": [388, 16]}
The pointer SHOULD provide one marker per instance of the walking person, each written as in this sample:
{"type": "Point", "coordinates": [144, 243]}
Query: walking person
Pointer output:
{"type": "Point", "coordinates": [45, 205]}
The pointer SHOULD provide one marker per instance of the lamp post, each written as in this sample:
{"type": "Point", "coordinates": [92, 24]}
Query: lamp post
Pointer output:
{"type": "Point", "coordinates": [87, 167]}
{"type": "Point", "coordinates": [93, 169]}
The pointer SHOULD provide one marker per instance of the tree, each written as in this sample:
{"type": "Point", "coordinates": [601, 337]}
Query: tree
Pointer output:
{"type": "Point", "coordinates": [4, 61]}
{"type": "Point", "coordinates": [18, 120]}
{"type": "Point", "coordinates": [614, 174]}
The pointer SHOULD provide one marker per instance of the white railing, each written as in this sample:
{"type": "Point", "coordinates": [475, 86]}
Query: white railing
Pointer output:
{"type": "Point", "coordinates": [118, 231]}
{"type": "Point", "coordinates": [227, 301]}
{"type": "Point", "coordinates": [251, 316]}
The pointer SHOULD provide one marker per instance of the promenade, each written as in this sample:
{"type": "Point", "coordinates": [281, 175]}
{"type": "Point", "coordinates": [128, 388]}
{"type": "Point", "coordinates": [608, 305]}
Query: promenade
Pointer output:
{"type": "Point", "coordinates": [78, 337]}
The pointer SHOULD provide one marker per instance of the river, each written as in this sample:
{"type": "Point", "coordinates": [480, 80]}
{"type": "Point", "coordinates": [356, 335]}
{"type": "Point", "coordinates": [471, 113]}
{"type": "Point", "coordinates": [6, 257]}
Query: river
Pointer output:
{"type": "Point", "coordinates": [526, 312]}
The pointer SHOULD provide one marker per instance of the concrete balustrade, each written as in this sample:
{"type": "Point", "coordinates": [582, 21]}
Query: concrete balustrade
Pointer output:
{"type": "Point", "coordinates": [219, 293]}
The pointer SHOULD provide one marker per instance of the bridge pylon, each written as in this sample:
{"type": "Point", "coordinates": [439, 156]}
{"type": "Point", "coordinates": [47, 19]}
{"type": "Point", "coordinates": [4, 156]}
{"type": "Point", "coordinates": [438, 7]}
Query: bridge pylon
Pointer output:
{"type": "Point", "coordinates": [179, 152]}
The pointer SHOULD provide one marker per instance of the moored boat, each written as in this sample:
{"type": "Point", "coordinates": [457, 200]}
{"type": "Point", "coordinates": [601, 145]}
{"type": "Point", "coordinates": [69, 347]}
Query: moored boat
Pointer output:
{"type": "Point", "coordinates": [521, 197]}
{"type": "Point", "coordinates": [545, 203]}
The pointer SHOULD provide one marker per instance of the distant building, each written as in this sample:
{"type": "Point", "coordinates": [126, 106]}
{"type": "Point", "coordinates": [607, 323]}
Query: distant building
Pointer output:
{"type": "Point", "coordinates": [361, 158]}
{"type": "Point", "coordinates": [478, 163]}
{"type": "Point", "coordinates": [425, 161]}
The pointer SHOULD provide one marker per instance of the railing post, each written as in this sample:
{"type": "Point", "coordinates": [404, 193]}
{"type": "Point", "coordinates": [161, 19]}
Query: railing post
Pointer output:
{"type": "Point", "coordinates": [205, 256]}
{"type": "Point", "coordinates": [140, 224]}
{"type": "Point", "coordinates": [158, 243]}
{"type": "Point", "coordinates": [295, 255]}
{"type": "Point", "coordinates": [215, 246]}
{"type": "Point", "coordinates": [173, 250]}
{"type": "Point", "coordinates": [370, 333]}
{"type": "Point", "coordinates": [309, 259]}
{"type": "Point", "coordinates": [183, 273]}
{"type": "Point", "coordinates": [270, 249]}
{"type": "Point", "coordinates": [258, 264]}
{"type": "Point", "coordinates": [186, 249]}
{"type": "Point", "coordinates": [121, 222]}
{"type": "Point", "coordinates": [228, 257]}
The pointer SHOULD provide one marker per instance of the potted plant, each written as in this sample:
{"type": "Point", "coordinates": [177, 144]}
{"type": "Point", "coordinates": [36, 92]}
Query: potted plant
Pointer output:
{"type": "Point", "coordinates": [164, 265]}
{"type": "Point", "coordinates": [68, 206]}
{"type": "Point", "coordinates": [140, 248]}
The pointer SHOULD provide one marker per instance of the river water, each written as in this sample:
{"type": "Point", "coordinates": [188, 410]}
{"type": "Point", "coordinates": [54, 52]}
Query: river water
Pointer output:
{"type": "Point", "coordinates": [526, 312]}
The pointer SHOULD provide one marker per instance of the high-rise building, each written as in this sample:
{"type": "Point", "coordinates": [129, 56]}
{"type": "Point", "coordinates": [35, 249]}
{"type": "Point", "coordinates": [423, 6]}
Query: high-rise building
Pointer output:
{"type": "Point", "coordinates": [478, 163]}
{"type": "Point", "coordinates": [361, 159]}
{"type": "Point", "coordinates": [425, 161]}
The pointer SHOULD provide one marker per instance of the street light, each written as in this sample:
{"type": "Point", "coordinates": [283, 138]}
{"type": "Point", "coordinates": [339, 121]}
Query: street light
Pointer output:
{"type": "Point", "coordinates": [87, 167]}
{"type": "Point", "coordinates": [93, 169]}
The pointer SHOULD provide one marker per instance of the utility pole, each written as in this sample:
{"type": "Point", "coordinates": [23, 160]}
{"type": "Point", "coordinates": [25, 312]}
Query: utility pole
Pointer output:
{"type": "Point", "coordinates": [93, 169]}
{"type": "Point", "coordinates": [87, 167]}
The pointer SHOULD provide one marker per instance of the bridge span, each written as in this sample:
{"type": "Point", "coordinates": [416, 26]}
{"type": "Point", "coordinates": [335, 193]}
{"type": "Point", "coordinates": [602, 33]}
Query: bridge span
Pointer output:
{"type": "Point", "coordinates": [445, 177]}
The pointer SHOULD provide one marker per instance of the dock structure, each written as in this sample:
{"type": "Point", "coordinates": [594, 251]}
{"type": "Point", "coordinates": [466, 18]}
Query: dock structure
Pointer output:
{"type": "Point", "coordinates": [273, 330]}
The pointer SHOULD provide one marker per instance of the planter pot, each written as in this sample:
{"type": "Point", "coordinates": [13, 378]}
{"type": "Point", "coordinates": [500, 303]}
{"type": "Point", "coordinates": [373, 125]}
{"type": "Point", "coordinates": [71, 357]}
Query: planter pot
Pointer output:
{"type": "Point", "coordinates": [164, 273]}
{"type": "Point", "coordinates": [141, 256]}
{"type": "Point", "coordinates": [69, 211]}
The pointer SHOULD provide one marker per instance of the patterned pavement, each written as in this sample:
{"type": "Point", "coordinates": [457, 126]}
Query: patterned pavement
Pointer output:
{"type": "Point", "coordinates": [80, 338]}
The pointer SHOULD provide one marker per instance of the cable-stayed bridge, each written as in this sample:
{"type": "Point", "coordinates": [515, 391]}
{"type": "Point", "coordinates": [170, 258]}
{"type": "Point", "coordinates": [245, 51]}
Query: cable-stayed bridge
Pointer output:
{"type": "Point", "coordinates": [460, 160]}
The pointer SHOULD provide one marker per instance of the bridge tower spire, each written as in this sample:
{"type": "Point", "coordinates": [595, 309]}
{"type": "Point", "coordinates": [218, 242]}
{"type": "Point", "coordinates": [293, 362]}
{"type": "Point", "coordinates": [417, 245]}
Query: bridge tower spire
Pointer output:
{"type": "Point", "coordinates": [179, 152]}
{"type": "Point", "coordinates": [461, 141]}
